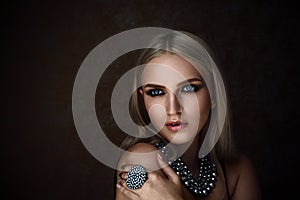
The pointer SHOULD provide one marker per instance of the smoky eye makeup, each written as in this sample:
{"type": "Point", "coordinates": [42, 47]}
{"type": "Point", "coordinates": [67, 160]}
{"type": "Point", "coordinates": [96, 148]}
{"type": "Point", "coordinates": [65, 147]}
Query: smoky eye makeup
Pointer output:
{"type": "Point", "coordinates": [190, 88]}
{"type": "Point", "coordinates": [154, 92]}
{"type": "Point", "coordinates": [193, 86]}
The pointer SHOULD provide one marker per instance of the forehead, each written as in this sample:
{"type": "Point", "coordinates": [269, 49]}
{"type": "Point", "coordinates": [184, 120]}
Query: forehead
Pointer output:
{"type": "Point", "coordinates": [168, 69]}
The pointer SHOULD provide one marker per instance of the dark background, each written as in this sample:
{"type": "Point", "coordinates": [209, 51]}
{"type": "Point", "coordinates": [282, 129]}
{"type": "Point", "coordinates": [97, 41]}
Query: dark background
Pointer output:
{"type": "Point", "coordinates": [44, 43]}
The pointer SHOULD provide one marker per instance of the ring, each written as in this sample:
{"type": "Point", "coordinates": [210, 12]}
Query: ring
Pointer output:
{"type": "Point", "coordinates": [136, 177]}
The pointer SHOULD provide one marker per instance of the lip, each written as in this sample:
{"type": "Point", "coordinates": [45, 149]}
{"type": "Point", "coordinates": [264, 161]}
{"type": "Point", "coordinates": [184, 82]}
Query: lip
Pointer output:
{"type": "Point", "coordinates": [175, 126]}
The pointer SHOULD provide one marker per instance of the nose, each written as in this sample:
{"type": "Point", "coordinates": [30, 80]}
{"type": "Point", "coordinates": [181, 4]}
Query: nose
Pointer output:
{"type": "Point", "coordinates": [173, 106]}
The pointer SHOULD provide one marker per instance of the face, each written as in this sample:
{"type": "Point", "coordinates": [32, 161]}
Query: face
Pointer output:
{"type": "Point", "coordinates": [175, 97]}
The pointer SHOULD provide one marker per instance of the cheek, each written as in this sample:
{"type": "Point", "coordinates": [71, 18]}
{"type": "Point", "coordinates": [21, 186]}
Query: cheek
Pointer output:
{"type": "Point", "coordinates": [197, 108]}
{"type": "Point", "coordinates": [204, 107]}
{"type": "Point", "coordinates": [157, 113]}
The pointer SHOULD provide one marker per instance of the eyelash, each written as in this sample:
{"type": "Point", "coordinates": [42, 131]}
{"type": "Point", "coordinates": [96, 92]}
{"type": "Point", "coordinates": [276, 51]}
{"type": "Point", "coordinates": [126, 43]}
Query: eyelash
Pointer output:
{"type": "Point", "coordinates": [185, 89]}
{"type": "Point", "coordinates": [155, 92]}
{"type": "Point", "coordinates": [189, 88]}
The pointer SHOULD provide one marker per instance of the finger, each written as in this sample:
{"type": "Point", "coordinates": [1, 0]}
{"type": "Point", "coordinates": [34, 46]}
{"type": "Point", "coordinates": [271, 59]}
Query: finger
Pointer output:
{"type": "Point", "coordinates": [123, 175]}
{"type": "Point", "coordinates": [127, 193]}
{"type": "Point", "coordinates": [123, 183]}
{"type": "Point", "coordinates": [169, 172]}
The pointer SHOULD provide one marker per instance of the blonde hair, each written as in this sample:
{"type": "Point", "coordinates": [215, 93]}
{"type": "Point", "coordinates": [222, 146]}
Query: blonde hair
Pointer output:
{"type": "Point", "coordinates": [197, 52]}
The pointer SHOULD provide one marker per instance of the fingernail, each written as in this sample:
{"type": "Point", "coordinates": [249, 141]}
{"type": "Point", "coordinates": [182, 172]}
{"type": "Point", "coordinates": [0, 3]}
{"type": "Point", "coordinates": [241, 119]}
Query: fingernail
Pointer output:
{"type": "Point", "coordinates": [119, 186]}
{"type": "Point", "coordinates": [159, 156]}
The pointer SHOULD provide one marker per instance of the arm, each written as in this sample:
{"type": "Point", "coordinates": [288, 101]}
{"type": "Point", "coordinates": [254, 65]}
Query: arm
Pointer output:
{"type": "Point", "coordinates": [161, 184]}
{"type": "Point", "coordinates": [246, 185]}
{"type": "Point", "coordinates": [127, 161]}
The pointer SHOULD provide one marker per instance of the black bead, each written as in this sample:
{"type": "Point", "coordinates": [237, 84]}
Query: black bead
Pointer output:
{"type": "Point", "coordinates": [200, 186]}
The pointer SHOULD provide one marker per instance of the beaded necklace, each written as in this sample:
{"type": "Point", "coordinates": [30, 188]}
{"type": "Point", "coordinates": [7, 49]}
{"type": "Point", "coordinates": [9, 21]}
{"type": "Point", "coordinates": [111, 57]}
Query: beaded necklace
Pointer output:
{"type": "Point", "coordinates": [207, 176]}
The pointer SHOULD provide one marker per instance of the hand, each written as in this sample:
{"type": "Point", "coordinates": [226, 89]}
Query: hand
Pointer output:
{"type": "Point", "coordinates": [156, 187]}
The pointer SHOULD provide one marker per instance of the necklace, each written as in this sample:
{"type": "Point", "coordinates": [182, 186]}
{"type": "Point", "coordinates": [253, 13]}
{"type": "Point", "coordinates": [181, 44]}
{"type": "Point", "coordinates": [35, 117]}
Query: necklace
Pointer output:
{"type": "Point", "coordinates": [200, 186]}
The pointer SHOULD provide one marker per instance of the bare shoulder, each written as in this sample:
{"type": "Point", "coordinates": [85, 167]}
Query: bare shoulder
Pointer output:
{"type": "Point", "coordinates": [142, 148]}
{"type": "Point", "coordinates": [242, 179]}
{"type": "Point", "coordinates": [140, 154]}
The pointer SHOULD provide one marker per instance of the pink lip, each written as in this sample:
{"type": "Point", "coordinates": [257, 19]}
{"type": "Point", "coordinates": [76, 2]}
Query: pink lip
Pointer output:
{"type": "Point", "coordinates": [175, 126]}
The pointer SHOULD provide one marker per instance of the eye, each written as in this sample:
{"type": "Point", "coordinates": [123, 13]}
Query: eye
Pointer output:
{"type": "Point", "coordinates": [155, 92]}
{"type": "Point", "coordinates": [189, 88]}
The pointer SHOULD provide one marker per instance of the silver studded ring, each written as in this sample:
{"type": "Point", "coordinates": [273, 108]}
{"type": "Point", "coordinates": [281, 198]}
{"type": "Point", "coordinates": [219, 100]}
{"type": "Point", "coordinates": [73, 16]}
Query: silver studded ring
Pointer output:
{"type": "Point", "coordinates": [136, 177]}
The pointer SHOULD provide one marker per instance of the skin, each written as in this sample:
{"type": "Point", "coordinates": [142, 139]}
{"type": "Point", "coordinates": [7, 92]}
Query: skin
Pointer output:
{"type": "Point", "coordinates": [173, 96]}
{"type": "Point", "coordinates": [182, 94]}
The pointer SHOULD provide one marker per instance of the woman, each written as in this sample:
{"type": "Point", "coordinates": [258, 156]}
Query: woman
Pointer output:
{"type": "Point", "coordinates": [181, 97]}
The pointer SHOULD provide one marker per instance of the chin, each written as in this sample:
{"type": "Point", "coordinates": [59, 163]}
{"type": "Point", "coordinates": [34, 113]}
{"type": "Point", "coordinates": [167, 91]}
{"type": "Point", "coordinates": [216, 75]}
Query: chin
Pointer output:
{"type": "Point", "coordinates": [179, 138]}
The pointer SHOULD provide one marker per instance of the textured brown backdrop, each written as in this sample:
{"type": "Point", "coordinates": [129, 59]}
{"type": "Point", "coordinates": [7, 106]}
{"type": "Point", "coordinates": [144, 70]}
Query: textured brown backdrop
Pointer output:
{"type": "Point", "coordinates": [44, 43]}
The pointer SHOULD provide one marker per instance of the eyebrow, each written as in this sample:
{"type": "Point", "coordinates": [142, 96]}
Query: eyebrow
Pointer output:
{"type": "Point", "coordinates": [190, 80]}
{"type": "Point", "coordinates": [179, 84]}
{"type": "Point", "coordinates": [153, 85]}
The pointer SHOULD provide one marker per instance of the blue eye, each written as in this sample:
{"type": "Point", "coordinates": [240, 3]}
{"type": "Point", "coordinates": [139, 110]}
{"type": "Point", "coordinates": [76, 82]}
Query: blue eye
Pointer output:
{"type": "Point", "coordinates": [189, 88]}
{"type": "Point", "coordinates": [155, 92]}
